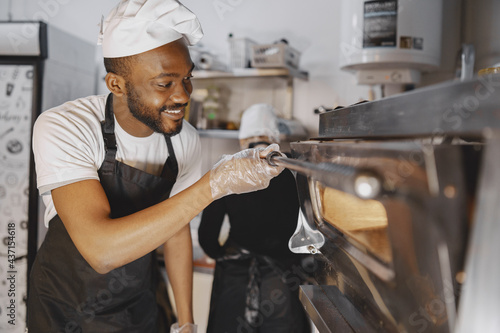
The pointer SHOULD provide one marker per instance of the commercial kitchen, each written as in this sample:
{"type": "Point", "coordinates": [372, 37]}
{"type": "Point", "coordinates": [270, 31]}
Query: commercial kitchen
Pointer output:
{"type": "Point", "coordinates": [388, 111]}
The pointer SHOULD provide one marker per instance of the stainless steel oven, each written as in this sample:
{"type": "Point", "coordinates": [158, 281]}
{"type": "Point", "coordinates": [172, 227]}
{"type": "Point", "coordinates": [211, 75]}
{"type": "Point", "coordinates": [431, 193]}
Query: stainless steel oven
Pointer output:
{"type": "Point", "coordinates": [400, 199]}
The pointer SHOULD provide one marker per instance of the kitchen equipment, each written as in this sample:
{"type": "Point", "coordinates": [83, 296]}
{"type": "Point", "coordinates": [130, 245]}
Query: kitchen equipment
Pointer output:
{"type": "Point", "coordinates": [390, 41]}
{"type": "Point", "coordinates": [277, 55]}
{"type": "Point", "coordinates": [204, 59]}
{"type": "Point", "coordinates": [468, 58]}
{"type": "Point", "coordinates": [404, 191]}
{"type": "Point", "coordinates": [240, 51]}
{"type": "Point", "coordinates": [305, 239]}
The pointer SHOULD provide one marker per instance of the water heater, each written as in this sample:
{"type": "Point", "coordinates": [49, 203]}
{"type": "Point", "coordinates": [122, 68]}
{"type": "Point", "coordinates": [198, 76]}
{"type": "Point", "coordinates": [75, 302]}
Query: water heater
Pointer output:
{"type": "Point", "coordinates": [390, 41]}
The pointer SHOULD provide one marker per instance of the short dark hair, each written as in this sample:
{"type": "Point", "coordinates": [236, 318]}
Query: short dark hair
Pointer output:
{"type": "Point", "coordinates": [120, 66]}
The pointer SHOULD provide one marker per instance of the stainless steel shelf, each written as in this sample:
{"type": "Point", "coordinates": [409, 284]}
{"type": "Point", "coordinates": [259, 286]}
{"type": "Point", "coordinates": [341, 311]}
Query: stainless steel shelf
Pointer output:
{"type": "Point", "coordinates": [251, 72]}
{"type": "Point", "coordinates": [218, 133]}
{"type": "Point", "coordinates": [286, 75]}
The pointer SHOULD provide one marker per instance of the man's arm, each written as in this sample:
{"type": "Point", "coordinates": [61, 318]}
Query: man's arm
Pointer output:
{"type": "Point", "coordinates": [178, 255]}
{"type": "Point", "coordinates": [107, 243]}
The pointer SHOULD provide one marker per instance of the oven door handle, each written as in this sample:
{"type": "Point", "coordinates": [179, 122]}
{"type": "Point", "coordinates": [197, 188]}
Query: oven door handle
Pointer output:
{"type": "Point", "coordinates": [364, 183]}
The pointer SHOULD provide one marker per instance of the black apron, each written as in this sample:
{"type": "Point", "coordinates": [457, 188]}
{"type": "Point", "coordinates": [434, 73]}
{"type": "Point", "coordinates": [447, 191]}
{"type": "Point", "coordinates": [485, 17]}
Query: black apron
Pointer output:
{"type": "Point", "coordinates": [66, 294]}
{"type": "Point", "coordinates": [243, 294]}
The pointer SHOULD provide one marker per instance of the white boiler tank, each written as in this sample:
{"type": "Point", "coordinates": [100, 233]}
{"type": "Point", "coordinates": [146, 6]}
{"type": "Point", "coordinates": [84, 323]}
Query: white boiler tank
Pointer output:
{"type": "Point", "coordinates": [390, 41]}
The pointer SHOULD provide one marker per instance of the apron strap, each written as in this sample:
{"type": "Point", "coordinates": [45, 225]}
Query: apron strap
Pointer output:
{"type": "Point", "coordinates": [171, 168]}
{"type": "Point", "coordinates": [108, 133]}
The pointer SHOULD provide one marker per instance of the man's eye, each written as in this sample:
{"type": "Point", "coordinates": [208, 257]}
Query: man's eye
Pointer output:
{"type": "Point", "coordinates": [188, 78]}
{"type": "Point", "coordinates": [165, 85]}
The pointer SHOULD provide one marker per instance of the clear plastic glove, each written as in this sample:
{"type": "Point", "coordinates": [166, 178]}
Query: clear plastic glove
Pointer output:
{"type": "Point", "coordinates": [186, 328]}
{"type": "Point", "coordinates": [245, 171]}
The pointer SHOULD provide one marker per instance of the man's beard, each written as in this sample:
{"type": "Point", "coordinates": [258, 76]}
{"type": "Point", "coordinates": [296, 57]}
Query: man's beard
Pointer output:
{"type": "Point", "coordinates": [149, 116]}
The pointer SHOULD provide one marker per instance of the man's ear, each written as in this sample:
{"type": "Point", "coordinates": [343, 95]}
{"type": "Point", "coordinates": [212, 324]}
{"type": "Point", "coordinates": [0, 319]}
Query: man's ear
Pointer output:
{"type": "Point", "coordinates": [115, 84]}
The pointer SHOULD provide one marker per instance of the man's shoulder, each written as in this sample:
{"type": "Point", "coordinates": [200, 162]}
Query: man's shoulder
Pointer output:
{"type": "Point", "coordinates": [83, 115]}
{"type": "Point", "coordinates": [86, 108]}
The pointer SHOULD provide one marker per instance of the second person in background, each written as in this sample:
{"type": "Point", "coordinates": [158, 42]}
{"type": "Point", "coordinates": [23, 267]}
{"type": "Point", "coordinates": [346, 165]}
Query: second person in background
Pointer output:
{"type": "Point", "coordinates": [253, 290]}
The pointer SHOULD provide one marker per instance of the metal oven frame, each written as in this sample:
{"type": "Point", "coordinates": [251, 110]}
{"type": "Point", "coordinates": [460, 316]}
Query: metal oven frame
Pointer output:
{"type": "Point", "coordinates": [442, 143]}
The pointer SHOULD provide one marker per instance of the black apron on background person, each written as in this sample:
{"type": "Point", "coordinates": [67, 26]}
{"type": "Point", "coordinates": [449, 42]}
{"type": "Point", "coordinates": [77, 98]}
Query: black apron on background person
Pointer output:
{"type": "Point", "coordinates": [277, 307]}
{"type": "Point", "coordinates": [66, 294]}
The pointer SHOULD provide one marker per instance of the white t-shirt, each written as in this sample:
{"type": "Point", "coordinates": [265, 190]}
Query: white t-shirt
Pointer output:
{"type": "Point", "coordinates": [68, 146]}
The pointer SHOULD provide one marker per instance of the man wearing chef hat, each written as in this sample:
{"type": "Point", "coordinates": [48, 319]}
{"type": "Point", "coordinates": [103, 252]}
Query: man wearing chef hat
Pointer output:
{"type": "Point", "coordinates": [120, 176]}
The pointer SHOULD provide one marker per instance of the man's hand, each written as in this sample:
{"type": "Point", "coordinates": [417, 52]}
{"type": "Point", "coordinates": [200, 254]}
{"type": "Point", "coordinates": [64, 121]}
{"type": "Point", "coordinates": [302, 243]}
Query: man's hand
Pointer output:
{"type": "Point", "coordinates": [245, 171]}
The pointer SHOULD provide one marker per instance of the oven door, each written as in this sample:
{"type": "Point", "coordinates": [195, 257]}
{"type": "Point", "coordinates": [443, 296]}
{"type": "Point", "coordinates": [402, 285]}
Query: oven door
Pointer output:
{"type": "Point", "coordinates": [394, 217]}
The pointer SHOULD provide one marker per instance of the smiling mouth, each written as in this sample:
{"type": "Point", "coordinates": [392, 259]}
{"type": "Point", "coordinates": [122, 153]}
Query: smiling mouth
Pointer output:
{"type": "Point", "coordinates": [174, 114]}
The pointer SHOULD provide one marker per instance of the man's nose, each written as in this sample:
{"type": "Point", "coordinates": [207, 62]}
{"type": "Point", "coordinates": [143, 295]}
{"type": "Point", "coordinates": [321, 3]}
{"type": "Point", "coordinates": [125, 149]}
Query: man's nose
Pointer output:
{"type": "Point", "coordinates": [181, 95]}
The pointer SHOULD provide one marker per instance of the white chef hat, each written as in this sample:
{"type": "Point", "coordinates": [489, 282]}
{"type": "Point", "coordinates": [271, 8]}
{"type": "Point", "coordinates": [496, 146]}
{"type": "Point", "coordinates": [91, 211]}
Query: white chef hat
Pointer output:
{"type": "Point", "coordinates": [136, 26]}
{"type": "Point", "coordinates": [260, 120]}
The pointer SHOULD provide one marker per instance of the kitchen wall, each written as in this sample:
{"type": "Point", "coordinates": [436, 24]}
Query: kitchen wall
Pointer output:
{"type": "Point", "coordinates": [481, 19]}
{"type": "Point", "coordinates": [312, 27]}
